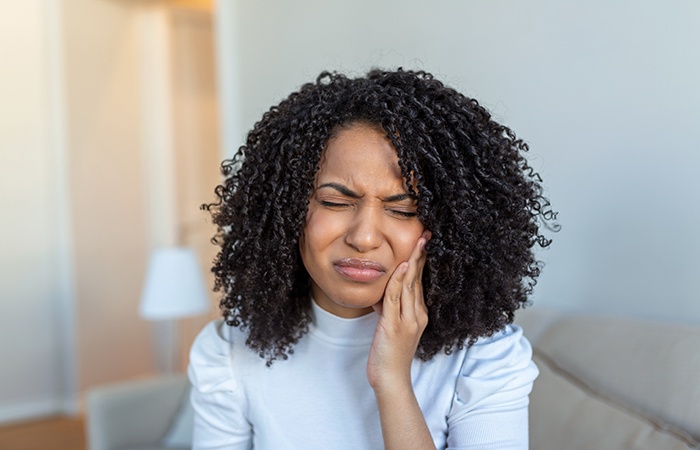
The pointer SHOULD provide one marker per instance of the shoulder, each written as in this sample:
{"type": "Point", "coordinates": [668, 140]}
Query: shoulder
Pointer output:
{"type": "Point", "coordinates": [505, 348]}
{"type": "Point", "coordinates": [497, 367]}
{"type": "Point", "coordinates": [487, 406]}
{"type": "Point", "coordinates": [211, 357]}
{"type": "Point", "coordinates": [218, 397]}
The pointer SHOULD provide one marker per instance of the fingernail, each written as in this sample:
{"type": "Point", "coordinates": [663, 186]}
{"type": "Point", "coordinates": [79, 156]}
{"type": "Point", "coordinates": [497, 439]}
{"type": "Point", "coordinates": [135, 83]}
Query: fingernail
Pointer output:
{"type": "Point", "coordinates": [404, 267]}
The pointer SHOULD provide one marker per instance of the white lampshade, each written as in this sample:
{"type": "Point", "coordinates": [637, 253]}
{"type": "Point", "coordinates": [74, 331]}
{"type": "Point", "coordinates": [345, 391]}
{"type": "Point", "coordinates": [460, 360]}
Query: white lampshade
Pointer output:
{"type": "Point", "coordinates": [174, 286]}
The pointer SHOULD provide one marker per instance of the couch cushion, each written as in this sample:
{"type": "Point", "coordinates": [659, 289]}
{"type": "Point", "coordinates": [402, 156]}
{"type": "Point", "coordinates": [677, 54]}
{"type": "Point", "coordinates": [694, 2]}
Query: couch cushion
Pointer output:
{"type": "Point", "coordinates": [643, 370]}
{"type": "Point", "coordinates": [565, 415]}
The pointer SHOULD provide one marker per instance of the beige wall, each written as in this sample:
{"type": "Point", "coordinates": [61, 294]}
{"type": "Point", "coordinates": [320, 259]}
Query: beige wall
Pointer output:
{"type": "Point", "coordinates": [107, 185]}
{"type": "Point", "coordinates": [30, 217]}
{"type": "Point", "coordinates": [197, 147]}
{"type": "Point", "coordinates": [77, 218]}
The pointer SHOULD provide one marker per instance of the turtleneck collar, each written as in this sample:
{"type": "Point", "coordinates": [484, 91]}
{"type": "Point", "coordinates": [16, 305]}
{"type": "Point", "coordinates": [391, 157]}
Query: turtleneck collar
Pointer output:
{"type": "Point", "coordinates": [340, 331]}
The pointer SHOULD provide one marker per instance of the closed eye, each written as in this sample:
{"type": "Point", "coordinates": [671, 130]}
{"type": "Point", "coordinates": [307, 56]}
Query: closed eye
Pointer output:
{"type": "Point", "coordinates": [406, 214]}
{"type": "Point", "coordinates": [328, 204]}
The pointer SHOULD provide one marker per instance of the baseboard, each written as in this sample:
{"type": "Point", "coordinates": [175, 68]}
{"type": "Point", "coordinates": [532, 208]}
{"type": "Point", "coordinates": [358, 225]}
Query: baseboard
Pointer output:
{"type": "Point", "coordinates": [35, 409]}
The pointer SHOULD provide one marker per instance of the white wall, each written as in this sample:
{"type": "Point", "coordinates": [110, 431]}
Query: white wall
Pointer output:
{"type": "Point", "coordinates": [606, 93]}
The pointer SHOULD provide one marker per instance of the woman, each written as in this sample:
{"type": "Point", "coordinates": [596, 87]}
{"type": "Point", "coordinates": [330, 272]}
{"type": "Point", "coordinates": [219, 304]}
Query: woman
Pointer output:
{"type": "Point", "coordinates": [376, 239]}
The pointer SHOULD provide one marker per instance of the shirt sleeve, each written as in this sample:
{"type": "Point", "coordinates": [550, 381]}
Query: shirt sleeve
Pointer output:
{"type": "Point", "coordinates": [490, 407]}
{"type": "Point", "coordinates": [218, 400]}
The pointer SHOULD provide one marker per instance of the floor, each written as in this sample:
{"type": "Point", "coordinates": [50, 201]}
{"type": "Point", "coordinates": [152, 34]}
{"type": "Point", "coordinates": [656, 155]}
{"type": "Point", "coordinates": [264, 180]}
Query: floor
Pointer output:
{"type": "Point", "coordinates": [55, 433]}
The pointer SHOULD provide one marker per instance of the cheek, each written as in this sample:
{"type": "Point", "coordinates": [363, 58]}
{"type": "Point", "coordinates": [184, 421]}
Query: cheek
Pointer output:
{"type": "Point", "coordinates": [318, 230]}
{"type": "Point", "coordinates": [310, 229]}
{"type": "Point", "coordinates": [405, 238]}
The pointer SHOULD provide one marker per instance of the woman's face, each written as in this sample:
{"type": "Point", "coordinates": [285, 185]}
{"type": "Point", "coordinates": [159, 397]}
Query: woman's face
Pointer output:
{"type": "Point", "coordinates": [361, 223]}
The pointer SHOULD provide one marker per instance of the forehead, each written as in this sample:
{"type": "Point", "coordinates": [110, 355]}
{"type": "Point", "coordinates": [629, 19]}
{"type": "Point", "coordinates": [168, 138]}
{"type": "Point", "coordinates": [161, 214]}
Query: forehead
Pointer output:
{"type": "Point", "coordinates": [360, 151]}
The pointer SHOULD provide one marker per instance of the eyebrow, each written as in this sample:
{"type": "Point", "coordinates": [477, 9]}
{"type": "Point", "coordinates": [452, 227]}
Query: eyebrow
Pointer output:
{"type": "Point", "coordinates": [352, 194]}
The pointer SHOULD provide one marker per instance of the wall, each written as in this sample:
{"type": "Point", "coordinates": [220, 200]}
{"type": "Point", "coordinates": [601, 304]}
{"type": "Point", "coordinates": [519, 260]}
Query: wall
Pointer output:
{"type": "Point", "coordinates": [606, 94]}
{"type": "Point", "coordinates": [34, 281]}
{"type": "Point", "coordinates": [197, 145]}
{"type": "Point", "coordinates": [105, 138]}
{"type": "Point", "coordinates": [77, 136]}
{"type": "Point", "coordinates": [74, 223]}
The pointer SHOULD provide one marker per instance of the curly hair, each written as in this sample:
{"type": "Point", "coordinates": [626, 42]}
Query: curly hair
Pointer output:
{"type": "Point", "coordinates": [478, 196]}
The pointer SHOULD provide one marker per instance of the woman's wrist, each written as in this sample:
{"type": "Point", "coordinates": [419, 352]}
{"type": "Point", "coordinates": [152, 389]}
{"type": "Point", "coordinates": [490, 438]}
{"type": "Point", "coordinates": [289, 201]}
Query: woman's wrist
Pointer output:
{"type": "Point", "coordinates": [403, 424]}
{"type": "Point", "coordinates": [391, 387]}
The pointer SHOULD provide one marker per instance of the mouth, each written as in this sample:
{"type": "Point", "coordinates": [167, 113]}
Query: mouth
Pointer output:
{"type": "Point", "coordinates": [359, 270]}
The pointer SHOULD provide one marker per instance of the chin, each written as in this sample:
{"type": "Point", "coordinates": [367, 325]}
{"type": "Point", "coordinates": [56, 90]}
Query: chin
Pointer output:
{"type": "Point", "coordinates": [362, 305]}
{"type": "Point", "coordinates": [363, 300]}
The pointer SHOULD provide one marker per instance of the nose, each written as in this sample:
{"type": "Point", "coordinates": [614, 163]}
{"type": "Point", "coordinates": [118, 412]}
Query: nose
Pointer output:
{"type": "Point", "coordinates": [364, 232]}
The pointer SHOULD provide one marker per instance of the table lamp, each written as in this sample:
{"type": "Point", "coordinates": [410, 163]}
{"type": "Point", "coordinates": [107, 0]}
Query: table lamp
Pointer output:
{"type": "Point", "coordinates": [174, 289]}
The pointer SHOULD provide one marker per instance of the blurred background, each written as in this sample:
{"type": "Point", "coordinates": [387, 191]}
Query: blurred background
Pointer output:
{"type": "Point", "coordinates": [114, 115]}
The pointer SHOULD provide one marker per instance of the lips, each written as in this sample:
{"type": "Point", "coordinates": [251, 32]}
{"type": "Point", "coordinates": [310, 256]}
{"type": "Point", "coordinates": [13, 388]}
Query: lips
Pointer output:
{"type": "Point", "coordinates": [359, 270]}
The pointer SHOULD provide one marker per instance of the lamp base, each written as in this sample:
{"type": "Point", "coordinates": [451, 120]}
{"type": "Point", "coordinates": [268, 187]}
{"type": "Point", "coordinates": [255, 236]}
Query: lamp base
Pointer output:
{"type": "Point", "coordinates": [166, 343]}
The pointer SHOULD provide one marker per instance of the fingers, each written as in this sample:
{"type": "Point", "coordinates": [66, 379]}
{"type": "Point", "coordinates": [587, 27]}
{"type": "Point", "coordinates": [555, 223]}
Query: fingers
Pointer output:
{"type": "Point", "coordinates": [414, 275]}
{"type": "Point", "coordinates": [419, 300]}
{"type": "Point", "coordinates": [403, 295]}
{"type": "Point", "coordinates": [412, 289]}
{"type": "Point", "coordinates": [411, 286]}
{"type": "Point", "coordinates": [391, 306]}
{"type": "Point", "coordinates": [403, 318]}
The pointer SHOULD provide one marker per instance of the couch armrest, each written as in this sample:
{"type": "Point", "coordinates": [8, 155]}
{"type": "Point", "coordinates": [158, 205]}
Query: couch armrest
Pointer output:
{"type": "Point", "coordinates": [133, 413]}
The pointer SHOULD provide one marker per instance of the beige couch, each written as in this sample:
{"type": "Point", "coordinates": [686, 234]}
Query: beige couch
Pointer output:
{"type": "Point", "coordinates": [605, 384]}
{"type": "Point", "coordinates": [140, 415]}
{"type": "Point", "coordinates": [613, 383]}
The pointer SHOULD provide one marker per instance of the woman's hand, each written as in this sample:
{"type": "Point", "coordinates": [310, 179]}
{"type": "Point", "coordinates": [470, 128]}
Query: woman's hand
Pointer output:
{"type": "Point", "coordinates": [403, 317]}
